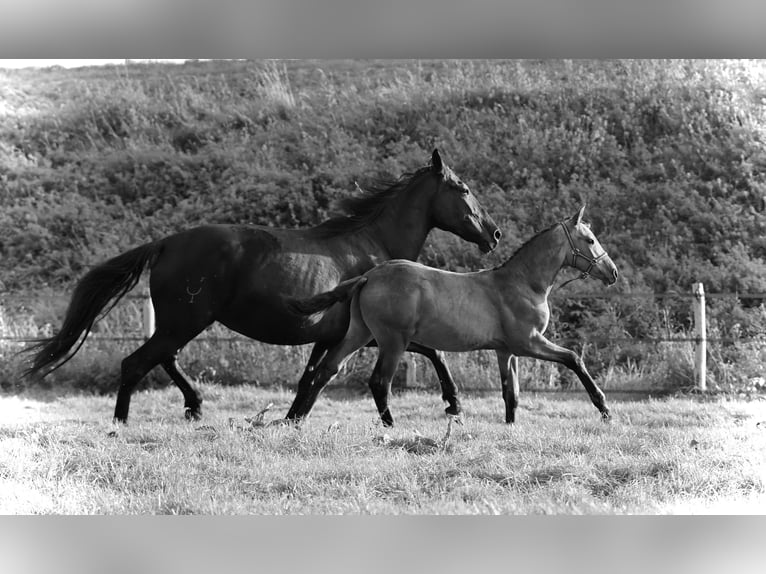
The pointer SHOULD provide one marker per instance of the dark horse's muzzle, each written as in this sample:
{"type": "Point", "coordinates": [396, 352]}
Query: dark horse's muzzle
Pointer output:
{"type": "Point", "coordinates": [490, 237]}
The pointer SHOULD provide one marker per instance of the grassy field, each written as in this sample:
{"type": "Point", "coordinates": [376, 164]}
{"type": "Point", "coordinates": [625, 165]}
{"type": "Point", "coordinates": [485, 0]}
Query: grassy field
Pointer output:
{"type": "Point", "coordinates": [61, 455]}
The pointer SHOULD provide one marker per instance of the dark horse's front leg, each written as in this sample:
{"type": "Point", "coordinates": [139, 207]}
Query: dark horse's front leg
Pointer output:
{"type": "Point", "coordinates": [509, 383]}
{"type": "Point", "coordinates": [304, 385]}
{"type": "Point", "coordinates": [447, 383]}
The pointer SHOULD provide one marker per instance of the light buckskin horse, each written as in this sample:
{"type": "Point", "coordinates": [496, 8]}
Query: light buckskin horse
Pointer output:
{"type": "Point", "coordinates": [504, 309]}
{"type": "Point", "coordinates": [239, 275]}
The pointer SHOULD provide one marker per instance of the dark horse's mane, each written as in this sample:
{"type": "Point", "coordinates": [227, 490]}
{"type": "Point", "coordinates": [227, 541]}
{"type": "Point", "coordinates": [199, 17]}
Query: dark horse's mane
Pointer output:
{"type": "Point", "coordinates": [359, 210]}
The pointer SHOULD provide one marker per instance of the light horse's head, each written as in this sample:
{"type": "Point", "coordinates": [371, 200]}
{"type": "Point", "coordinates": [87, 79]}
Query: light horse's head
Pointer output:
{"type": "Point", "coordinates": [456, 209]}
{"type": "Point", "coordinates": [585, 252]}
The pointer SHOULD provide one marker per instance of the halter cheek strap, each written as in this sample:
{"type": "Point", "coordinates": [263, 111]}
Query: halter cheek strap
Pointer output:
{"type": "Point", "coordinates": [576, 255]}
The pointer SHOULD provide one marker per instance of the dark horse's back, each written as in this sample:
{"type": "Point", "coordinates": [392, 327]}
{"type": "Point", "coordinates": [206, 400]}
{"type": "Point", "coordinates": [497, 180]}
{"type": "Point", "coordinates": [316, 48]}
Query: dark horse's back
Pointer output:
{"type": "Point", "coordinates": [240, 275]}
{"type": "Point", "coordinates": [234, 274]}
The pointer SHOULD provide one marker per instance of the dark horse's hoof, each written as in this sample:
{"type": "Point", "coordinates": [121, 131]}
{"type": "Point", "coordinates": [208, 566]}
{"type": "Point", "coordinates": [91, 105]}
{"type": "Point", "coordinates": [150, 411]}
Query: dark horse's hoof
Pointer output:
{"type": "Point", "coordinates": [388, 420]}
{"type": "Point", "coordinates": [193, 414]}
{"type": "Point", "coordinates": [453, 410]}
{"type": "Point", "coordinates": [605, 417]}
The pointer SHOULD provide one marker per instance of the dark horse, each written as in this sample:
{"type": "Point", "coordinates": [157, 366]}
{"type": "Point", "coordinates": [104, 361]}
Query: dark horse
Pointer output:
{"type": "Point", "coordinates": [504, 309]}
{"type": "Point", "coordinates": [239, 275]}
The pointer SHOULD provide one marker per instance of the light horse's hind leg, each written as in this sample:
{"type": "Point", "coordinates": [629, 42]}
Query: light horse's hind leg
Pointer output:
{"type": "Point", "coordinates": [446, 382]}
{"type": "Point", "coordinates": [542, 348]}
{"type": "Point", "coordinates": [509, 373]}
{"type": "Point", "coordinates": [391, 350]}
{"type": "Point", "coordinates": [357, 336]}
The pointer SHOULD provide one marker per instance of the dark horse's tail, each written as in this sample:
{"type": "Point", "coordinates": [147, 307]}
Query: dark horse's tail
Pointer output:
{"type": "Point", "coordinates": [104, 284]}
{"type": "Point", "coordinates": [322, 301]}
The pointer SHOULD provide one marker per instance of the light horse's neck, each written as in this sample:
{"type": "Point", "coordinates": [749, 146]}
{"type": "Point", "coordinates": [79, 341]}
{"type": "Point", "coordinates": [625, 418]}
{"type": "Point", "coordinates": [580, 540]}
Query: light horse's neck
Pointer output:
{"type": "Point", "coordinates": [537, 262]}
{"type": "Point", "coordinates": [404, 222]}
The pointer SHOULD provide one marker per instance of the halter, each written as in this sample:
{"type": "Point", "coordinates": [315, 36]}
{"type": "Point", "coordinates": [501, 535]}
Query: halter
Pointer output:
{"type": "Point", "coordinates": [576, 253]}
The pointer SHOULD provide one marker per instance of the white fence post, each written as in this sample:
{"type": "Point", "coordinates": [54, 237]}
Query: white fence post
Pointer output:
{"type": "Point", "coordinates": [147, 316]}
{"type": "Point", "coordinates": [700, 336]}
{"type": "Point", "coordinates": [406, 374]}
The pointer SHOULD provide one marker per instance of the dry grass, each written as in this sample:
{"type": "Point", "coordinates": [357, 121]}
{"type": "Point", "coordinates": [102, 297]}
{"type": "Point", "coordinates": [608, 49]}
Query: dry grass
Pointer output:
{"type": "Point", "coordinates": [682, 455]}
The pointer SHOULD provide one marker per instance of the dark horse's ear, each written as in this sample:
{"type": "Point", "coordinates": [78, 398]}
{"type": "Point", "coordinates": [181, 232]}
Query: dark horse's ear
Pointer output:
{"type": "Point", "coordinates": [436, 162]}
{"type": "Point", "coordinates": [577, 218]}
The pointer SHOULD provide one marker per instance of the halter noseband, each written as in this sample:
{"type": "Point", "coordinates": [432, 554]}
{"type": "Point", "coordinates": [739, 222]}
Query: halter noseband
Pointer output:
{"type": "Point", "coordinates": [576, 253]}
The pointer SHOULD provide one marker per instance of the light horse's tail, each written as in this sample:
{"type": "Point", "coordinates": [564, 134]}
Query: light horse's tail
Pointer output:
{"type": "Point", "coordinates": [343, 292]}
{"type": "Point", "coordinates": [104, 284]}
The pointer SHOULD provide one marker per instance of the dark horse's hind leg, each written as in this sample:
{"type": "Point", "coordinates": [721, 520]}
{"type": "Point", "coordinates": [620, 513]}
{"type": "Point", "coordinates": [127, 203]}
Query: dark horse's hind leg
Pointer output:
{"type": "Point", "coordinates": [447, 383]}
{"type": "Point", "coordinates": [192, 400]}
{"type": "Point", "coordinates": [157, 349]}
{"type": "Point", "coordinates": [304, 385]}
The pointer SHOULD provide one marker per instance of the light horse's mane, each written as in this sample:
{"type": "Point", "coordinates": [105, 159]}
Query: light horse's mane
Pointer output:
{"type": "Point", "coordinates": [525, 244]}
{"type": "Point", "coordinates": [359, 210]}
{"type": "Point", "coordinates": [529, 242]}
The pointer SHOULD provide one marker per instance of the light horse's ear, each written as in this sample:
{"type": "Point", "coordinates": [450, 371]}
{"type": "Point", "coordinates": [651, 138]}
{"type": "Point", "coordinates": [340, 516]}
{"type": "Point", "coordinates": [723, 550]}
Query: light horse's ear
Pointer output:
{"type": "Point", "coordinates": [436, 162]}
{"type": "Point", "coordinates": [577, 218]}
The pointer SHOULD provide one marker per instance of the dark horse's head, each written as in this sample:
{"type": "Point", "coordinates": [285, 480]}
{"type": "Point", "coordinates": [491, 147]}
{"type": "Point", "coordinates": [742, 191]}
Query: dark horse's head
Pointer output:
{"type": "Point", "coordinates": [456, 209]}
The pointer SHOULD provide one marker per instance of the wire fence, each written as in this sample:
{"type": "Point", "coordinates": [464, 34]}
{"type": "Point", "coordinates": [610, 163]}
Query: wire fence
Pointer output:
{"type": "Point", "coordinates": [133, 322]}
{"type": "Point", "coordinates": [661, 359]}
{"type": "Point", "coordinates": [19, 300]}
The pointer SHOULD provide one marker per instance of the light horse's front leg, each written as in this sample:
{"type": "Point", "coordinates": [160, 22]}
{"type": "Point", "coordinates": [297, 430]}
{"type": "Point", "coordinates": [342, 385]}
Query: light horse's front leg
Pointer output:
{"type": "Point", "coordinates": [509, 381]}
{"type": "Point", "coordinates": [541, 348]}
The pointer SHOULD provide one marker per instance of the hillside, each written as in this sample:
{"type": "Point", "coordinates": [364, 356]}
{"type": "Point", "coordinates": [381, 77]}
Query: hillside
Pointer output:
{"type": "Point", "coordinates": [669, 157]}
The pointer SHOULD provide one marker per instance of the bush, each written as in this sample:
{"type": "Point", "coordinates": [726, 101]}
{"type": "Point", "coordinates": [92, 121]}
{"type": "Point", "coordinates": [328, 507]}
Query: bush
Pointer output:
{"type": "Point", "coordinates": [668, 156]}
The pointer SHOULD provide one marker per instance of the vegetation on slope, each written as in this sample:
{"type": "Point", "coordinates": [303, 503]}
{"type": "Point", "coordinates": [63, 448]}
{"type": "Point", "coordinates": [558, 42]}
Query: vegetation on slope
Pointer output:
{"type": "Point", "coordinates": [669, 157]}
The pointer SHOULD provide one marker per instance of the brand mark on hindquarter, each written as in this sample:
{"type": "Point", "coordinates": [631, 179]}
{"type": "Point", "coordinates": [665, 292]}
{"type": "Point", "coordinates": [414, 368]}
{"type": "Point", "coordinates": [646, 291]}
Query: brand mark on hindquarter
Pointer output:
{"type": "Point", "coordinates": [191, 293]}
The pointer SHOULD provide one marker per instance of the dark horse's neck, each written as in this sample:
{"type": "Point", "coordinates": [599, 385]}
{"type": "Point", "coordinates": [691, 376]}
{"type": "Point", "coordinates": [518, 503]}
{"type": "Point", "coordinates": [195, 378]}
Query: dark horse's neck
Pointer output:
{"type": "Point", "coordinates": [402, 228]}
{"type": "Point", "coordinates": [395, 216]}
{"type": "Point", "coordinates": [536, 262]}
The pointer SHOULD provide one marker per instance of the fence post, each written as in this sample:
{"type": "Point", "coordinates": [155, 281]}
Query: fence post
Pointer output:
{"type": "Point", "coordinates": [406, 374]}
{"type": "Point", "coordinates": [147, 316]}
{"type": "Point", "coordinates": [700, 336]}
